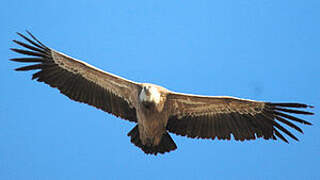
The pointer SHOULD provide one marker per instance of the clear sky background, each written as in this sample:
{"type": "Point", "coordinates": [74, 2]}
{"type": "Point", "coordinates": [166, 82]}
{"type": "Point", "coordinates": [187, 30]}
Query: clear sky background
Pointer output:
{"type": "Point", "coordinates": [264, 50]}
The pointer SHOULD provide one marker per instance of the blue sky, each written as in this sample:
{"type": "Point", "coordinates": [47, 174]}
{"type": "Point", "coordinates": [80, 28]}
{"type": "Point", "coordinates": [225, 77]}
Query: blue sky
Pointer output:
{"type": "Point", "coordinates": [264, 50]}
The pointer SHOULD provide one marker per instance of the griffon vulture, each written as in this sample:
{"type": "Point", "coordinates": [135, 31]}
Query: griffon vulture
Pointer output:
{"type": "Point", "coordinates": [156, 110]}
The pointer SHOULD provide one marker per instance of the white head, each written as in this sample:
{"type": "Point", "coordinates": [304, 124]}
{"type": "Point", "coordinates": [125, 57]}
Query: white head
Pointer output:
{"type": "Point", "coordinates": [149, 94]}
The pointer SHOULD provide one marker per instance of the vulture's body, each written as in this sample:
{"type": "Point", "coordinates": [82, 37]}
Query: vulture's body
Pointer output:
{"type": "Point", "coordinates": [155, 109]}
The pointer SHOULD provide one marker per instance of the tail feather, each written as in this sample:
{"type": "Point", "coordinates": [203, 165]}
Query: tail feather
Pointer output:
{"type": "Point", "coordinates": [166, 144]}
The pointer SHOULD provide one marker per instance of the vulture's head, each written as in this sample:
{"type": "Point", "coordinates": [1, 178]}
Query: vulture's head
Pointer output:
{"type": "Point", "coordinates": [149, 96]}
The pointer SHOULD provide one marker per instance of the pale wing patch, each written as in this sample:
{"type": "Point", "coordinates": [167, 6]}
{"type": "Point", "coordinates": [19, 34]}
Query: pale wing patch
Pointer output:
{"type": "Point", "coordinates": [192, 107]}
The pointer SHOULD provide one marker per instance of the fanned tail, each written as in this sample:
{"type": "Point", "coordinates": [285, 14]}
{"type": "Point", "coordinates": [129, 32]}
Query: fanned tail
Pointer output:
{"type": "Point", "coordinates": [166, 143]}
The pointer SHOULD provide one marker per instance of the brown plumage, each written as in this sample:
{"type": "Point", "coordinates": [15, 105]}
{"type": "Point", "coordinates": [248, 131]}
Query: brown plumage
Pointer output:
{"type": "Point", "coordinates": [155, 109]}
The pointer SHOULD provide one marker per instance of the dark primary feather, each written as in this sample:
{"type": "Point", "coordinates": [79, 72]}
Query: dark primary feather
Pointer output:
{"type": "Point", "coordinates": [242, 126]}
{"type": "Point", "coordinates": [27, 60]}
{"type": "Point", "coordinates": [294, 105]}
{"type": "Point", "coordinates": [30, 47]}
{"type": "Point", "coordinates": [30, 53]}
{"type": "Point", "coordinates": [40, 45]}
{"type": "Point", "coordinates": [71, 84]}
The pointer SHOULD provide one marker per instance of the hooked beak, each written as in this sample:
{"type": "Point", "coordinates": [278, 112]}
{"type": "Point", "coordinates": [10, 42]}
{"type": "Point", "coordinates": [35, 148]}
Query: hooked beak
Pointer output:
{"type": "Point", "coordinates": [146, 90]}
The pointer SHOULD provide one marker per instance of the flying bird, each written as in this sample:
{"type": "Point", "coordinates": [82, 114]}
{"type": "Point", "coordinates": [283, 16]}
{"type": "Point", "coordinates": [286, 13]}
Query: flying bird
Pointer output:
{"type": "Point", "coordinates": [156, 110]}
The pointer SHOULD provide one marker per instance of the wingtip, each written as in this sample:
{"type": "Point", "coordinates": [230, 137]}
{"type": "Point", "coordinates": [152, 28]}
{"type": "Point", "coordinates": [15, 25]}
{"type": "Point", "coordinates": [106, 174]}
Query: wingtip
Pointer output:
{"type": "Point", "coordinates": [20, 34]}
{"type": "Point", "coordinates": [17, 69]}
{"type": "Point", "coordinates": [12, 59]}
{"type": "Point", "coordinates": [15, 41]}
{"type": "Point", "coordinates": [28, 32]}
{"type": "Point", "coordinates": [16, 50]}
{"type": "Point", "coordinates": [308, 123]}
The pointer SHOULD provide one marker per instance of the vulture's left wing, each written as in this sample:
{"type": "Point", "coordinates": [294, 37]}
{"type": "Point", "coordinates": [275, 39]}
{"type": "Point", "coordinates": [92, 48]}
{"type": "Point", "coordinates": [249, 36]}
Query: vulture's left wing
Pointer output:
{"type": "Point", "coordinates": [210, 117]}
{"type": "Point", "coordinates": [79, 80]}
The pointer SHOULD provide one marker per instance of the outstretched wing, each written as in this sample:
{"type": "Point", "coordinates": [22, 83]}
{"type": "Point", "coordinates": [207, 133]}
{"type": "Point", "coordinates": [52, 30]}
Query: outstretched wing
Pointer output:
{"type": "Point", "coordinates": [210, 117]}
{"type": "Point", "coordinates": [78, 80]}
